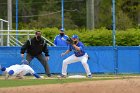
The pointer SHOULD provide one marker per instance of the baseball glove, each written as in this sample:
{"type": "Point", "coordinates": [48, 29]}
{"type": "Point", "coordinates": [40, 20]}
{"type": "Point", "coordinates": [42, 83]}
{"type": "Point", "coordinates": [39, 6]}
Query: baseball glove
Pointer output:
{"type": "Point", "coordinates": [69, 41]}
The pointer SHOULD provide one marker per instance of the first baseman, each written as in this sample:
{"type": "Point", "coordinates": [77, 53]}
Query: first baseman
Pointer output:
{"type": "Point", "coordinates": [79, 55]}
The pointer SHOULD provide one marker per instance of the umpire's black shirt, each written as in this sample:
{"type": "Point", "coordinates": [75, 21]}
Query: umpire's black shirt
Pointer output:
{"type": "Point", "coordinates": [35, 47]}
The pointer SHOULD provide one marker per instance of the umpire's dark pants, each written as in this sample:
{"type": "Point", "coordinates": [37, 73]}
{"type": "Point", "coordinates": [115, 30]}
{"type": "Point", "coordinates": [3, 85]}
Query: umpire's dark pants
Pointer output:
{"type": "Point", "coordinates": [43, 61]}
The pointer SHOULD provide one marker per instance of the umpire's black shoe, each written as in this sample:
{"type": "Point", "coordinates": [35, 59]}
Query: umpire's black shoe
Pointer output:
{"type": "Point", "coordinates": [49, 75]}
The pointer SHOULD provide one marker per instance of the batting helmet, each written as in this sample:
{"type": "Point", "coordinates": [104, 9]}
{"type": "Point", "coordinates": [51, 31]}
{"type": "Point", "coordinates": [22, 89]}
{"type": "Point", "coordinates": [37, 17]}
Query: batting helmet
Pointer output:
{"type": "Point", "coordinates": [11, 72]}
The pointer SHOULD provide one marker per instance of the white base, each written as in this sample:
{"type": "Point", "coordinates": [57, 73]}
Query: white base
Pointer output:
{"type": "Point", "coordinates": [76, 76]}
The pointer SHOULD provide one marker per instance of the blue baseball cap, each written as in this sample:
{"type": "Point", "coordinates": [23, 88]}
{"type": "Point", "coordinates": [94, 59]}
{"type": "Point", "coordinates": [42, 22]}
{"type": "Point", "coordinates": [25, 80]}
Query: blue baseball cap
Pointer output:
{"type": "Point", "coordinates": [62, 29]}
{"type": "Point", "coordinates": [75, 36]}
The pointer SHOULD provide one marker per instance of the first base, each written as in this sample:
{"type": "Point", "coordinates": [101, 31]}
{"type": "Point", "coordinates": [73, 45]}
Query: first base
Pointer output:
{"type": "Point", "coordinates": [76, 76]}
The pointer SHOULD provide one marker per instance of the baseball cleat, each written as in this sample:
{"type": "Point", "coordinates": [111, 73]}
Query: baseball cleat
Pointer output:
{"type": "Point", "coordinates": [61, 76]}
{"type": "Point", "coordinates": [89, 76]}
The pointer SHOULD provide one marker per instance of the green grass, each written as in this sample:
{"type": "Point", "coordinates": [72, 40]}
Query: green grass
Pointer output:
{"type": "Point", "coordinates": [29, 81]}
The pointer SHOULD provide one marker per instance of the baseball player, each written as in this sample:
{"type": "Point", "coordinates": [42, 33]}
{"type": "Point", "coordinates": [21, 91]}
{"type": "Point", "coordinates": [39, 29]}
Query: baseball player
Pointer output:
{"type": "Point", "coordinates": [79, 55]}
{"type": "Point", "coordinates": [19, 70]}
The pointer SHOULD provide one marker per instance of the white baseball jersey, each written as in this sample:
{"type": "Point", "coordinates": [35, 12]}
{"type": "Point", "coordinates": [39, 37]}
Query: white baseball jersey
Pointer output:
{"type": "Point", "coordinates": [24, 69]}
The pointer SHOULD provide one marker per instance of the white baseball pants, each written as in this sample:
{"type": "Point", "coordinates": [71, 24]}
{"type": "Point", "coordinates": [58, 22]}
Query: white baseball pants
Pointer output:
{"type": "Point", "coordinates": [73, 59]}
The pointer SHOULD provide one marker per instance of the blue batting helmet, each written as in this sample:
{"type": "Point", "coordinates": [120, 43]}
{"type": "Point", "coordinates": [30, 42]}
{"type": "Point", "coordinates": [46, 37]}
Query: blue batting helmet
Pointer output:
{"type": "Point", "coordinates": [11, 72]}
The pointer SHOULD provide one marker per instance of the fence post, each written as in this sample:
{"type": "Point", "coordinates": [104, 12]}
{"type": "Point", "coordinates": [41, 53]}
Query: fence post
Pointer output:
{"type": "Point", "coordinates": [62, 13]}
{"type": "Point", "coordinates": [116, 59]}
{"type": "Point", "coordinates": [1, 39]}
{"type": "Point", "coordinates": [8, 34]}
{"type": "Point", "coordinates": [114, 37]}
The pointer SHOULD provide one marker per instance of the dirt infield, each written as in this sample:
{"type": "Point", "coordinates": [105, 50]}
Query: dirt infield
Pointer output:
{"type": "Point", "coordinates": [103, 86]}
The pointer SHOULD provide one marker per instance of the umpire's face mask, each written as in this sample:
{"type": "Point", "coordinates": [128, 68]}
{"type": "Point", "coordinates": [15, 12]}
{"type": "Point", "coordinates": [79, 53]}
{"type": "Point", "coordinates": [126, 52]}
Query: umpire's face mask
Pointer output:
{"type": "Point", "coordinates": [38, 38]}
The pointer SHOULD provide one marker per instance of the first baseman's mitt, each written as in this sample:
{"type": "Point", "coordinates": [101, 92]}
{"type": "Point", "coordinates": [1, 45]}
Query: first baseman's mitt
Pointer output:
{"type": "Point", "coordinates": [70, 41]}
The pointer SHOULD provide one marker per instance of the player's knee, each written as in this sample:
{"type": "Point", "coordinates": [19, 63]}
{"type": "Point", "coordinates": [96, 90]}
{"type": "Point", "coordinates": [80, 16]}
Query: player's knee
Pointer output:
{"type": "Point", "coordinates": [11, 72]}
{"type": "Point", "coordinates": [84, 62]}
{"type": "Point", "coordinates": [65, 62]}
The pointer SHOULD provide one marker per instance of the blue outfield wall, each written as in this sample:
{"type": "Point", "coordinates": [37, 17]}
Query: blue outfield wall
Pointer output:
{"type": "Point", "coordinates": [103, 59]}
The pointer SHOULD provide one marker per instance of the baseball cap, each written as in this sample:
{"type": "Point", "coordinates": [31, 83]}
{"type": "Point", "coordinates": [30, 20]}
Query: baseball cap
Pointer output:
{"type": "Point", "coordinates": [62, 29]}
{"type": "Point", "coordinates": [75, 36]}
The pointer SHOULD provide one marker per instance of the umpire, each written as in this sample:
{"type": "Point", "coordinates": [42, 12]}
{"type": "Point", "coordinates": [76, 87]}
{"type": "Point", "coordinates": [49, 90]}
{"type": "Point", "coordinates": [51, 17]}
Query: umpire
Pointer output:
{"type": "Point", "coordinates": [34, 48]}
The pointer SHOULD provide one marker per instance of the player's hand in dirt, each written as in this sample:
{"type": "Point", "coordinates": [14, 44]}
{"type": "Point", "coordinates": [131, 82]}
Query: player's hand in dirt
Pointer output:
{"type": "Point", "coordinates": [62, 54]}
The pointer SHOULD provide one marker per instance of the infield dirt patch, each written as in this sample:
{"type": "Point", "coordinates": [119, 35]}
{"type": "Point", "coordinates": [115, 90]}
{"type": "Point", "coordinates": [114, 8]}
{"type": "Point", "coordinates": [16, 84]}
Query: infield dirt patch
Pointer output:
{"type": "Point", "coordinates": [102, 86]}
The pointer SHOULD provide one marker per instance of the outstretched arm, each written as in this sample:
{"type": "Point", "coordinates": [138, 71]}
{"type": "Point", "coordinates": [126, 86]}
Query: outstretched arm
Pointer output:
{"type": "Point", "coordinates": [36, 75]}
{"type": "Point", "coordinates": [66, 52]}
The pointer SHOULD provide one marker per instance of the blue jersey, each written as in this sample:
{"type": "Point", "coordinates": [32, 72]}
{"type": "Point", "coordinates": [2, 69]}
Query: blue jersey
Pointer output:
{"type": "Point", "coordinates": [77, 53]}
{"type": "Point", "coordinates": [60, 40]}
